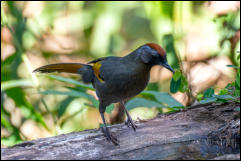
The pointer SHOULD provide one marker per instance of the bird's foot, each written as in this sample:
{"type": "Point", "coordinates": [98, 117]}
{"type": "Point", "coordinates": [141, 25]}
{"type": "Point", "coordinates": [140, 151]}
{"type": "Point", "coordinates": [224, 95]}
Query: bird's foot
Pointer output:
{"type": "Point", "coordinates": [129, 122]}
{"type": "Point", "coordinates": [109, 136]}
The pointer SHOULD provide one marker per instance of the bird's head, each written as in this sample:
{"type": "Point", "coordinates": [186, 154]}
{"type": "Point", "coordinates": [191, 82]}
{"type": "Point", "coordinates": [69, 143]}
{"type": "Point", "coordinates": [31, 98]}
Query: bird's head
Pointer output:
{"type": "Point", "coordinates": [154, 54]}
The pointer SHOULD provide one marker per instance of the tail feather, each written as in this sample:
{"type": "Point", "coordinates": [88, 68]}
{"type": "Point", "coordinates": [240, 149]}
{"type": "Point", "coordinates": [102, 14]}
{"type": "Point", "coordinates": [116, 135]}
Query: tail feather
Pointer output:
{"type": "Point", "coordinates": [60, 67]}
{"type": "Point", "coordinates": [85, 70]}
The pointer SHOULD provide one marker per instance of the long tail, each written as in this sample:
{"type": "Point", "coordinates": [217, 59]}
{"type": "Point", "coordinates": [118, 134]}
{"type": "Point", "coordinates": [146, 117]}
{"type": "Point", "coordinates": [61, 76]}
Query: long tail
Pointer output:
{"type": "Point", "coordinates": [85, 70]}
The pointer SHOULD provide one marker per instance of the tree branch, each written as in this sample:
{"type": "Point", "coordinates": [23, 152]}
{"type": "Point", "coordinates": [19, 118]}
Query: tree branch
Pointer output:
{"type": "Point", "coordinates": [201, 132]}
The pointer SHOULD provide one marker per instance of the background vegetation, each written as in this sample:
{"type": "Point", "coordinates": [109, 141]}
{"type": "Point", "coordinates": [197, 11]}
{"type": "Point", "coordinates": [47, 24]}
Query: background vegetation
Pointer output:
{"type": "Point", "coordinates": [201, 39]}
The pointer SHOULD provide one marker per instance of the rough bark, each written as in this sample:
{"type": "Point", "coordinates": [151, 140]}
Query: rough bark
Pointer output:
{"type": "Point", "coordinates": [210, 131]}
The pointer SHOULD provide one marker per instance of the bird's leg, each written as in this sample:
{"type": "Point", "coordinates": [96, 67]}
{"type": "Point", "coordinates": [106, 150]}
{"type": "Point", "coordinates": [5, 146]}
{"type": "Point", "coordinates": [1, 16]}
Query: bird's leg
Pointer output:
{"type": "Point", "coordinates": [105, 130]}
{"type": "Point", "coordinates": [129, 120]}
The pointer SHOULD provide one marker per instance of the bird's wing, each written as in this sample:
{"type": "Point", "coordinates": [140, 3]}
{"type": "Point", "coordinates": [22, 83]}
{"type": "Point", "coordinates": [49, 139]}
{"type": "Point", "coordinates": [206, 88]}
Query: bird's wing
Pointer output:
{"type": "Point", "coordinates": [96, 67]}
{"type": "Point", "coordinates": [97, 60]}
{"type": "Point", "coordinates": [103, 67]}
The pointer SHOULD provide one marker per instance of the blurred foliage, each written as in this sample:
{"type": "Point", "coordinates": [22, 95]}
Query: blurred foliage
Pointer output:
{"type": "Point", "coordinates": [179, 82]}
{"type": "Point", "coordinates": [37, 33]}
{"type": "Point", "coordinates": [230, 92]}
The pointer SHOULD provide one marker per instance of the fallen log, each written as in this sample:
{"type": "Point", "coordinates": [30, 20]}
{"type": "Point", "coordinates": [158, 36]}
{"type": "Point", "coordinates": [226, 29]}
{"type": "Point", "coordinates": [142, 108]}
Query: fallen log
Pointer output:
{"type": "Point", "coordinates": [207, 131]}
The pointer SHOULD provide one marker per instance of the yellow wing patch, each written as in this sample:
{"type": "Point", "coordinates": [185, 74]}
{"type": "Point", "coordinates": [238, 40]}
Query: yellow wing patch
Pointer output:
{"type": "Point", "coordinates": [96, 69]}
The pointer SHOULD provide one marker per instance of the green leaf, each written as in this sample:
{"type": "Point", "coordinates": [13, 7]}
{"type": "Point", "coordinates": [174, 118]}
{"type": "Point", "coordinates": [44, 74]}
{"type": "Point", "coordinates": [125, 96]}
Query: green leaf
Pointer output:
{"type": "Point", "coordinates": [147, 95]}
{"type": "Point", "coordinates": [3, 16]}
{"type": "Point", "coordinates": [200, 96]}
{"type": "Point", "coordinates": [73, 93]}
{"type": "Point", "coordinates": [141, 102]}
{"type": "Point", "coordinates": [184, 84]}
{"type": "Point", "coordinates": [63, 105]}
{"type": "Point", "coordinates": [91, 98]}
{"type": "Point", "coordinates": [10, 141]}
{"type": "Point", "coordinates": [178, 82]}
{"type": "Point", "coordinates": [40, 119]}
{"type": "Point", "coordinates": [9, 60]}
{"type": "Point", "coordinates": [175, 85]}
{"type": "Point", "coordinates": [110, 108]}
{"type": "Point", "coordinates": [237, 82]}
{"type": "Point", "coordinates": [19, 98]}
{"type": "Point", "coordinates": [71, 81]}
{"type": "Point", "coordinates": [5, 122]}
{"type": "Point", "coordinates": [68, 93]}
{"type": "Point", "coordinates": [237, 93]}
{"type": "Point", "coordinates": [177, 75]}
{"type": "Point", "coordinates": [237, 109]}
{"type": "Point", "coordinates": [208, 92]}
{"type": "Point", "coordinates": [78, 89]}
{"type": "Point", "coordinates": [15, 83]}
{"type": "Point", "coordinates": [164, 98]}
{"type": "Point", "coordinates": [230, 85]}
{"type": "Point", "coordinates": [223, 91]}
{"type": "Point", "coordinates": [208, 100]}
{"type": "Point", "coordinates": [232, 66]}
{"type": "Point", "coordinates": [224, 97]}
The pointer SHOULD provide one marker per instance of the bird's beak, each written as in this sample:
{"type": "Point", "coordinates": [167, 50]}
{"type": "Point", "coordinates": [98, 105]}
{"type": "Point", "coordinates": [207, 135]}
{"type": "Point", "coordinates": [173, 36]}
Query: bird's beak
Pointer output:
{"type": "Point", "coordinates": [166, 65]}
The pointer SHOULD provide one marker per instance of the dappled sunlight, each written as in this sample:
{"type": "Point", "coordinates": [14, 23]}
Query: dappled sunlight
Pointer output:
{"type": "Point", "coordinates": [203, 76]}
{"type": "Point", "coordinates": [222, 7]}
{"type": "Point", "coordinates": [143, 113]}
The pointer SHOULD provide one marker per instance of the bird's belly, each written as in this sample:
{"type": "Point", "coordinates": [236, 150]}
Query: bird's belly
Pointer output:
{"type": "Point", "coordinates": [120, 89]}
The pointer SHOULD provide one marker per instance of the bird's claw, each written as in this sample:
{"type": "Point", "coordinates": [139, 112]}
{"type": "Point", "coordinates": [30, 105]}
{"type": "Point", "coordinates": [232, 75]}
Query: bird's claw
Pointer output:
{"type": "Point", "coordinates": [109, 136]}
{"type": "Point", "coordinates": [129, 122]}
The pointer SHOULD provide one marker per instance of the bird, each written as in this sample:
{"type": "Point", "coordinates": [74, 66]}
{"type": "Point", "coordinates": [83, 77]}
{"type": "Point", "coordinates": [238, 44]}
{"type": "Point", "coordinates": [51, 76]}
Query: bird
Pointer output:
{"type": "Point", "coordinates": [116, 79]}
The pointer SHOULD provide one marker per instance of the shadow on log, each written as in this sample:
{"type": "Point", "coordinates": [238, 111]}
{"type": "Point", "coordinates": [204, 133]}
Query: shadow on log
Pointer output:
{"type": "Point", "coordinates": [209, 131]}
